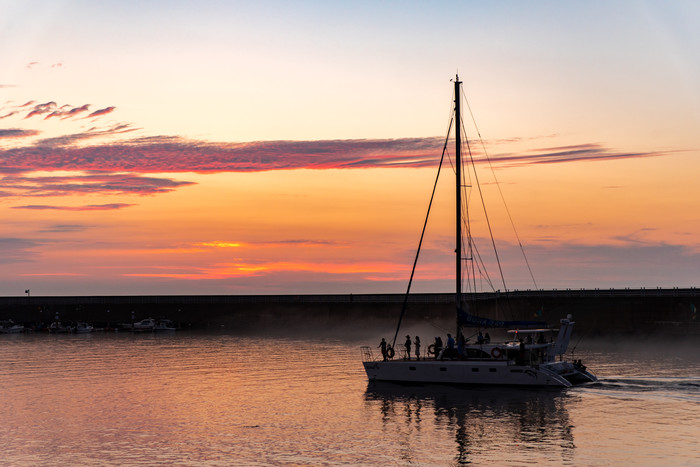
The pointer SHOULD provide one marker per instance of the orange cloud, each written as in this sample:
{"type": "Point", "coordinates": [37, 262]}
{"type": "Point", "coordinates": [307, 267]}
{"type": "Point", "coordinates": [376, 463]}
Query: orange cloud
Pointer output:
{"type": "Point", "coordinates": [233, 270]}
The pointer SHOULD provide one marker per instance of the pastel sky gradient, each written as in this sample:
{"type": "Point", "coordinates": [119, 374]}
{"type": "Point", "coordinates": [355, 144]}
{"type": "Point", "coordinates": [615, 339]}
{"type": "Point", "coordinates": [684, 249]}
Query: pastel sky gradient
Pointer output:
{"type": "Point", "coordinates": [289, 147]}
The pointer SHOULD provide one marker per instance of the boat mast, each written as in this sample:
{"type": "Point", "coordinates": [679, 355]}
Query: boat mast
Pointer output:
{"type": "Point", "coordinates": [458, 201]}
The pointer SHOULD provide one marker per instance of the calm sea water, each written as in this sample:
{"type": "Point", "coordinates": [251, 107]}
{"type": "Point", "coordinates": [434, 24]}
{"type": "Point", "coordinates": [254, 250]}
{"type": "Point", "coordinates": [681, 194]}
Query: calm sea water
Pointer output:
{"type": "Point", "coordinates": [194, 399]}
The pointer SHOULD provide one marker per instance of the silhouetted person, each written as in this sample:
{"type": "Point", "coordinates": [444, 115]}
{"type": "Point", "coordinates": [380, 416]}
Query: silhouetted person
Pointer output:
{"type": "Point", "coordinates": [438, 346]}
{"type": "Point", "coordinates": [408, 347]}
{"type": "Point", "coordinates": [417, 344]}
{"type": "Point", "coordinates": [487, 339]}
{"type": "Point", "coordinates": [480, 338]}
{"type": "Point", "coordinates": [382, 345]}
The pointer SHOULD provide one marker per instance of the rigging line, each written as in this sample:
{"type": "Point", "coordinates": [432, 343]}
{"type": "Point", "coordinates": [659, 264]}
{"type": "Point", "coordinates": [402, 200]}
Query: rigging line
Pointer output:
{"type": "Point", "coordinates": [420, 242]}
{"type": "Point", "coordinates": [472, 252]}
{"type": "Point", "coordinates": [486, 215]}
{"type": "Point", "coordinates": [498, 185]}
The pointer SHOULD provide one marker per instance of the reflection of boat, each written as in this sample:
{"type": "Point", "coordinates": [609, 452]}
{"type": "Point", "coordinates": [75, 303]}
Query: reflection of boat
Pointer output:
{"type": "Point", "coordinates": [145, 325]}
{"type": "Point", "coordinates": [81, 327]}
{"type": "Point", "coordinates": [165, 325]}
{"type": "Point", "coordinates": [10, 327]}
{"type": "Point", "coordinates": [478, 419]}
{"type": "Point", "coordinates": [529, 361]}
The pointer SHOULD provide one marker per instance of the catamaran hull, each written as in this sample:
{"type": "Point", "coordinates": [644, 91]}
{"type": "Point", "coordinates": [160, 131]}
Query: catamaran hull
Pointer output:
{"type": "Point", "coordinates": [459, 372]}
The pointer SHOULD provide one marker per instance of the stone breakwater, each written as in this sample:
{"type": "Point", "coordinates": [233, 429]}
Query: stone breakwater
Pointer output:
{"type": "Point", "coordinates": [596, 311]}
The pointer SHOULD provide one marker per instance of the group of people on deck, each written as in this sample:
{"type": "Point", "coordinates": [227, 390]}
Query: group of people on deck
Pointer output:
{"type": "Point", "coordinates": [437, 349]}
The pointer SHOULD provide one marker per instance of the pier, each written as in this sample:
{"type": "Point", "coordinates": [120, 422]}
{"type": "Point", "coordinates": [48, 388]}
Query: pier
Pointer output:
{"type": "Point", "coordinates": [597, 311]}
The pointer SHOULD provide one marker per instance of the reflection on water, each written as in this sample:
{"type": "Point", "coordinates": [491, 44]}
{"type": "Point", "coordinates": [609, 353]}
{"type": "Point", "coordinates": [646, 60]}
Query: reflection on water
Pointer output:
{"type": "Point", "coordinates": [217, 399]}
{"type": "Point", "coordinates": [502, 419]}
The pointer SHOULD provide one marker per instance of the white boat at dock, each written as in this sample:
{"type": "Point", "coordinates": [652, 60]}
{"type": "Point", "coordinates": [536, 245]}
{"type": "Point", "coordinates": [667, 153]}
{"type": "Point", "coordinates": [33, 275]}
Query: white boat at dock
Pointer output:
{"type": "Point", "coordinates": [10, 327]}
{"type": "Point", "coordinates": [81, 327]}
{"type": "Point", "coordinates": [145, 325]}
{"type": "Point", "coordinates": [165, 325]}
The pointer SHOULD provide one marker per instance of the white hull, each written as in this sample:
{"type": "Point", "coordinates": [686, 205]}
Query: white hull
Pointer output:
{"type": "Point", "coordinates": [465, 372]}
{"type": "Point", "coordinates": [504, 364]}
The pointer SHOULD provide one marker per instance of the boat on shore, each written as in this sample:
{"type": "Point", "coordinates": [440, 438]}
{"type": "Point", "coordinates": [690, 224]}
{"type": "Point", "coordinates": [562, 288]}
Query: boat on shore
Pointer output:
{"type": "Point", "coordinates": [532, 355]}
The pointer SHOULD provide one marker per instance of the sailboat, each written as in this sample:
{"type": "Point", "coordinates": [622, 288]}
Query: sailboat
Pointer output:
{"type": "Point", "coordinates": [533, 355]}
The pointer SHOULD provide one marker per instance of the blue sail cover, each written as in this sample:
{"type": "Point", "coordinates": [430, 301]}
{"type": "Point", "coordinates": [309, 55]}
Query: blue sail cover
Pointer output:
{"type": "Point", "coordinates": [467, 319]}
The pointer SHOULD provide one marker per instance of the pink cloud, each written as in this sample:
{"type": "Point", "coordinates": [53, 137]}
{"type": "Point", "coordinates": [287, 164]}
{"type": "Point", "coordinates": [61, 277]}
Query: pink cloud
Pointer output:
{"type": "Point", "coordinates": [100, 112]}
{"type": "Point", "coordinates": [89, 207]}
{"type": "Point", "coordinates": [168, 154]}
{"type": "Point", "coordinates": [63, 114]}
{"type": "Point", "coordinates": [16, 133]}
{"type": "Point", "coordinates": [101, 183]}
{"type": "Point", "coordinates": [41, 109]}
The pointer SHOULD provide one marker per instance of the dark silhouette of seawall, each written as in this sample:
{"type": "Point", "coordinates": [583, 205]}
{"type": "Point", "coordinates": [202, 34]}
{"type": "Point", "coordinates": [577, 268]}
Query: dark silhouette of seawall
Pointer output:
{"type": "Point", "coordinates": [596, 311]}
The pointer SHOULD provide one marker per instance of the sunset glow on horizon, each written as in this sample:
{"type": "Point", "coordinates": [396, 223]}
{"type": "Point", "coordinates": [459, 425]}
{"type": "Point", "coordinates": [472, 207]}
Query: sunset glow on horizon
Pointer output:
{"type": "Point", "coordinates": [291, 147]}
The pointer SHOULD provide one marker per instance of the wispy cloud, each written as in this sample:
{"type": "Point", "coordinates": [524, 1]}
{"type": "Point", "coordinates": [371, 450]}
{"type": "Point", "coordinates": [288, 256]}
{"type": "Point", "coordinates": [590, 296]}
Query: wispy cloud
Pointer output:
{"type": "Point", "coordinates": [16, 133]}
{"type": "Point", "coordinates": [64, 112]}
{"type": "Point", "coordinates": [170, 154]}
{"type": "Point", "coordinates": [100, 112]}
{"type": "Point", "coordinates": [51, 109]}
{"type": "Point", "coordinates": [89, 207]}
{"type": "Point", "coordinates": [102, 183]}
{"type": "Point", "coordinates": [575, 153]}
{"type": "Point", "coordinates": [363, 270]}
{"type": "Point", "coordinates": [16, 250]}
{"type": "Point", "coordinates": [65, 228]}
{"type": "Point", "coordinates": [68, 140]}
{"type": "Point", "coordinates": [41, 109]}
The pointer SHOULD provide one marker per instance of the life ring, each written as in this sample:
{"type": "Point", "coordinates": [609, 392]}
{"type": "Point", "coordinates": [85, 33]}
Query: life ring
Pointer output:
{"type": "Point", "coordinates": [496, 352]}
{"type": "Point", "coordinates": [431, 349]}
{"type": "Point", "coordinates": [389, 351]}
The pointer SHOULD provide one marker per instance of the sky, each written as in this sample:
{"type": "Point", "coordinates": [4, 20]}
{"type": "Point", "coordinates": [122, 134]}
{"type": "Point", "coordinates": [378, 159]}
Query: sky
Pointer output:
{"type": "Point", "coordinates": [290, 147]}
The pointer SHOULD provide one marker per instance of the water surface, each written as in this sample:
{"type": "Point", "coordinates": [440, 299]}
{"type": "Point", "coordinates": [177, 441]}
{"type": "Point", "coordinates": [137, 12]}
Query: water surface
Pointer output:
{"type": "Point", "coordinates": [203, 399]}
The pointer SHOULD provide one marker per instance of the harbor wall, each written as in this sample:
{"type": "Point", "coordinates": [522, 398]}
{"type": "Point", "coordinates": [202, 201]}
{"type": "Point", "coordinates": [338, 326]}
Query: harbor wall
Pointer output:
{"type": "Point", "coordinates": [597, 312]}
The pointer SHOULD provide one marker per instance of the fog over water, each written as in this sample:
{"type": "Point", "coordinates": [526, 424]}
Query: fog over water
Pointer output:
{"type": "Point", "coordinates": [222, 399]}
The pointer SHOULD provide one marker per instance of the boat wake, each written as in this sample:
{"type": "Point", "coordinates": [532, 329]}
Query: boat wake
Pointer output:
{"type": "Point", "coordinates": [660, 388]}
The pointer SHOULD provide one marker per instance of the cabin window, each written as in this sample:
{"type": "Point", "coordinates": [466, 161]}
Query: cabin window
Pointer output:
{"type": "Point", "coordinates": [412, 368]}
{"type": "Point", "coordinates": [475, 370]}
{"type": "Point", "coordinates": [492, 370]}
{"type": "Point", "coordinates": [442, 368]}
{"type": "Point", "coordinates": [516, 371]}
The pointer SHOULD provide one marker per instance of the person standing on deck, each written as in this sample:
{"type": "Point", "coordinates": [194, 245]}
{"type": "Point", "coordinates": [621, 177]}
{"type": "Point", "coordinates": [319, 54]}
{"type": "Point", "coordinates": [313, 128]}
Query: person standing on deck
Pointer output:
{"type": "Point", "coordinates": [417, 343]}
{"type": "Point", "coordinates": [438, 346]}
{"type": "Point", "coordinates": [408, 347]}
{"type": "Point", "coordinates": [382, 345]}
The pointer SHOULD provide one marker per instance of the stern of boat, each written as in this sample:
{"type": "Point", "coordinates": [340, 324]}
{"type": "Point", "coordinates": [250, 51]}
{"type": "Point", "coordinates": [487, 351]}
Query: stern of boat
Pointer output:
{"type": "Point", "coordinates": [573, 373]}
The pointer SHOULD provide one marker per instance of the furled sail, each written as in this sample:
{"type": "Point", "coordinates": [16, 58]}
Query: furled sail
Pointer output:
{"type": "Point", "coordinates": [467, 319]}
